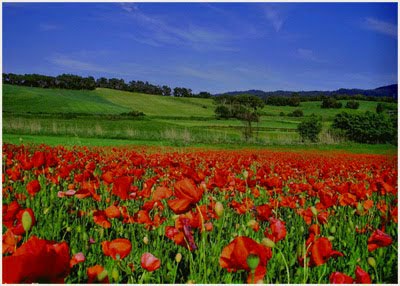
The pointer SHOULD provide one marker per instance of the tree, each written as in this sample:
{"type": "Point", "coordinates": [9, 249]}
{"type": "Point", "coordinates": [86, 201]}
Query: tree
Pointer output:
{"type": "Point", "coordinates": [352, 104]}
{"type": "Point", "coordinates": [102, 82]}
{"type": "Point", "coordinates": [244, 107]}
{"type": "Point", "coordinates": [204, 94]}
{"type": "Point", "coordinates": [369, 127]}
{"type": "Point", "coordinates": [166, 90]}
{"type": "Point", "coordinates": [330, 103]}
{"type": "Point", "coordinates": [310, 128]}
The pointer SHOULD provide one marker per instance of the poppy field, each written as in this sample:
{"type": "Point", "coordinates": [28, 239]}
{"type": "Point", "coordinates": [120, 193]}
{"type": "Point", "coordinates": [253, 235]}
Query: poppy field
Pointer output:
{"type": "Point", "coordinates": [151, 215]}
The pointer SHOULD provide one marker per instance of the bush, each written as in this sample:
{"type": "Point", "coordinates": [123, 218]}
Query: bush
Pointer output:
{"type": "Point", "coordinates": [296, 113]}
{"type": "Point", "coordinates": [310, 128]}
{"type": "Point", "coordinates": [367, 128]}
{"type": "Point", "coordinates": [222, 111]}
{"type": "Point", "coordinates": [330, 103]}
{"type": "Point", "coordinates": [352, 104]}
{"type": "Point", "coordinates": [133, 113]}
{"type": "Point", "coordinates": [281, 113]}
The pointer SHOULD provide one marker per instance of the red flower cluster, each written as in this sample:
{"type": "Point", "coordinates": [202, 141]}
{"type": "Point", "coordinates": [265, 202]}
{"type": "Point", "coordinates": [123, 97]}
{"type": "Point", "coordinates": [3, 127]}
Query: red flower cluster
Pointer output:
{"type": "Point", "coordinates": [234, 256]}
{"type": "Point", "coordinates": [37, 260]}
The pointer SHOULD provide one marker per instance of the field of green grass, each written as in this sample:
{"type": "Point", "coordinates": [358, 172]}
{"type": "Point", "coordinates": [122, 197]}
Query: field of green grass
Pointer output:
{"type": "Point", "coordinates": [180, 121]}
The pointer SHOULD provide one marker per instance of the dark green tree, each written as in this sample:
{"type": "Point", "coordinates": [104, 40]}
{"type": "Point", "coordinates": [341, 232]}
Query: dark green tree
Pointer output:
{"type": "Point", "coordinates": [310, 128]}
{"type": "Point", "coordinates": [244, 107]}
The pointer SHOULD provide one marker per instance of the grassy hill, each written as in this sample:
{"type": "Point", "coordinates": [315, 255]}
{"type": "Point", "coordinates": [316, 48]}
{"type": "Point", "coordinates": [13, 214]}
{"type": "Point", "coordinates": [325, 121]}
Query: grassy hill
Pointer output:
{"type": "Point", "coordinates": [41, 112]}
{"type": "Point", "coordinates": [20, 99]}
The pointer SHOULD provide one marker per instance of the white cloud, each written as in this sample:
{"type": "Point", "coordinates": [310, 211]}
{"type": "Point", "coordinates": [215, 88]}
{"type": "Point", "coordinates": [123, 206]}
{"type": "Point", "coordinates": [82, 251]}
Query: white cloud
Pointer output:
{"type": "Point", "coordinates": [308, 55]}
{"type": "Point", "coordinates": [128, 7]}
{"type": "Point", "coordinates": [73, 64]}
{"type": "Point", "coordinates": [379, 26]}
{"type": "Point", "coordinates": [275, 16]}
{"type": "Point", "coordinates": [158, 31]}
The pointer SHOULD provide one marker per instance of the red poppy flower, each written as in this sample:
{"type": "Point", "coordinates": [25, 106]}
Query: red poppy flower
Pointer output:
{"type": "Point", "coordinates": [321, 251]}
{"type": "Point", "coordinates": [149, 262]}
{"type": "Point", "coordinates": [10, 241]}
{"type": "Point", "coordinates": [9, 213]}
{"type": "Point", "coordinates": [187, 195]}
{"type": "Point", "coordinates": [161, 193]}
{"type": "Point", "coordinates": [234, 256]}
{"type": "Point", "coordinates": [362, 277]}
{"type": "Point", "coordinates": [378, 239]}
{"type": "Point", "coordinates": [33, 187]}
{"type": "Point", "coordinates": [263, 212]}
{"type": "Point", "coordinates": [340, 278]}
{"type": "Point", "coordinates": [100, 218]}
{"type": "Point", "coordinates": [176, 235]}
{"type": "Point", "coordinates": [119, 246]}
{"type": "Point", "coordinates": [38, 159]}
{"type": "Point", "coordinates": [97, 273]}
{"type": "Point", "coordinates": [37, 260]}
{"type": "Point", "coordinates": [277, 230]}
{"type": "Point", "coordinates": [112, 212]}
{"type": "Point", "coordinates": [77, 258]}
{"type": "Point", "coordinates": [122, 187]}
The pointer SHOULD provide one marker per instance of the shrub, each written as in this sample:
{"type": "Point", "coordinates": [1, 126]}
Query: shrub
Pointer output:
{"type": "Point", "coordinates": [281, 113]}
{"type": "Point", "coordinates": [330, 103]}
{"type": "Point", "coordinates": [352, 104]}
{"type": "Point", "coordinates": [296, 113]}
{"type": "Point", "coordinates": [222, 111]}
{"type": "Point", "coordinates": [366, 128]}
{"type": "Point", "coordinates": [133, 113]}
{"type": "Point", "coordinates": [310, 128]}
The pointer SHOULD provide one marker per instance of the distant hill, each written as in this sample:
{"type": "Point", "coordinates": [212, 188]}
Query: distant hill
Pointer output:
{"type": "Point", "coordinates": [389, 91]}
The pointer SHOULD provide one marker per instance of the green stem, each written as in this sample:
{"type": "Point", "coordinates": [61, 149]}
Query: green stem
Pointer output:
{"type": "Point", "coordinates": [143, 276]}
{"type": "Point", "coordinates": [377, 276]}
{"type": "Point", "coordinates": [203, 242]}
{"type": "Point", "coordinates": [253, 272]}
{"type": "Point", "coordinates": [286, 265]}
{"type": "Point", "coordinates": [175, 272]}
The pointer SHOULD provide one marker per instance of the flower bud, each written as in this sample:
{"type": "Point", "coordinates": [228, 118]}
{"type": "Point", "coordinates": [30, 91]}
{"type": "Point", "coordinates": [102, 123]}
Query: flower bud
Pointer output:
{"type": "Point", "coordinates": [219, 209]}
{"type": "Point", "coordinates": [330, 238]}
{"type": "Point", "coordinates": [115, 274]}
{"type": "Point", "coordinates": [26, 221]}
{"type": "Point", "coordinates": [314, 210]}
{"type": "Point", "coordinates": [268, 242]}
{"type": "Point", "coordinates": [145, 240]}
{"type": "Point", "coordinates": [245, 174]}
{"type": "Point", "coordinates": [360, 207]}
{"type": "Point", "coordinates": [253, 261]}
{"type": "Point", "coordinates": [178, 257]}
{"type": "Point", "coordinates": [372, 262]}
{"type": "Point", "coordinates": [332, 229]}
{"type": "Point", "coordinates": [102, 275]}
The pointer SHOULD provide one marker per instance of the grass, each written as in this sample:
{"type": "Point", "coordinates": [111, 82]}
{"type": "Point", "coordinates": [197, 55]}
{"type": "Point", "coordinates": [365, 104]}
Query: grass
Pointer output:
{"type": "Point", "coordinates": [20, 99]}
{"type": "Point", "coordinates": [178, 121]}
{"type": "Point", "coordinates": [382, 149]}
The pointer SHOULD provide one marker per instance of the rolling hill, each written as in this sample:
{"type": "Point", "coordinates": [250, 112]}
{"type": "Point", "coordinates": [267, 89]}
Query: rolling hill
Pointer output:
{"type": "Point", "coordinates": [389, 91]}
{"type": "Point", "coordinates": [20, 99]}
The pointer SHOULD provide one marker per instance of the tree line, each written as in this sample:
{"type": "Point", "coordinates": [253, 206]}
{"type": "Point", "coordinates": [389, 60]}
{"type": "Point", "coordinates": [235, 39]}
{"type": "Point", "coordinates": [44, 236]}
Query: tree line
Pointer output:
{"type": "Point", "coordinates": [70, 81]}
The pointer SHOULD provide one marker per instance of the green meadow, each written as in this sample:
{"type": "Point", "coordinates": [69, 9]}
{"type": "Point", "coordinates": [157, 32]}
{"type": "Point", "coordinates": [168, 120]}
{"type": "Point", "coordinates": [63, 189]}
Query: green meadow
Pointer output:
{"type": "Point", "coordinates": [98, 114]}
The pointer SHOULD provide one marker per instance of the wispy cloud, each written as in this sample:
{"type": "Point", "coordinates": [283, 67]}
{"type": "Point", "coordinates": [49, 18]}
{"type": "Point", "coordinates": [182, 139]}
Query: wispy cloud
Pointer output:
{"type": "Point", "coordinates": [308, 55]}
{"type": "Point", "coordinates": [128, 7]}
{"type": "Point", "coordinates": [379, 26]}
{"type": "Point", "coordinates": [75, 64]}
{"type": "Point", "coordinates": [45, 27]}
{"type": "Point", "coordinates": [158, 31]}
{"type": "Point", "coordinates": [275, 16]}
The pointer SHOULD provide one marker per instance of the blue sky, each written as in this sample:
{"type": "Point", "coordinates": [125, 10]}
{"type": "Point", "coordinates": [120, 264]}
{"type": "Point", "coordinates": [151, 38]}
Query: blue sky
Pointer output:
{"type": "Point", "coordinates": [214, 47]}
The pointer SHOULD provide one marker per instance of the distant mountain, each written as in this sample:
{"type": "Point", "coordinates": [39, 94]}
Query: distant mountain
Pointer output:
{"type": "Point", "coordinates": [389, 91]}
